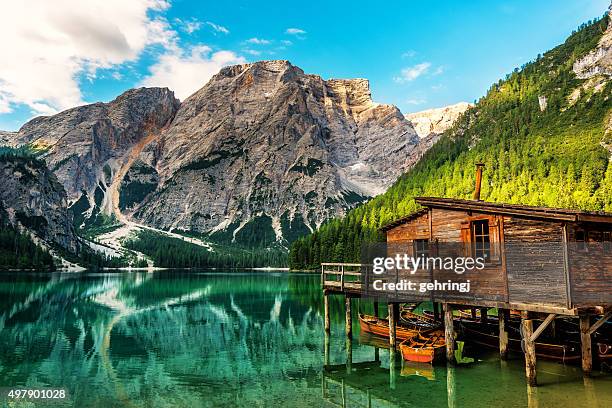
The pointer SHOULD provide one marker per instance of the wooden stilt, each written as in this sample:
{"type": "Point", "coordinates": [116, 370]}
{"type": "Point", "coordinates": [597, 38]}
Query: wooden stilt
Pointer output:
{"type": "Point", "coordinates": [585, 341]}
{"type": "Point", "coordinates": [473, 310]}
{"type": "Point", "coordinates": [436, 311]}
{"type": "Point", "coordinates": [376, 308]}
{"type": "Point", "coordinates": [349, 320]}
{"type": "Point", "coordinates": [392, 365]}
{"type": "Point", "coordinates": [451, 386]}
{"type": "Point", "coordinates": [392, 323]}
{"type": "Point", "coordinates": [326, 350]}
{"type": "Point", "coordinates": [376, 354]}
{"type": "Point", "coordinates": [483, 315]}
{"type": "Point", "coordinates": [349, 355]}
{"type": "Point", "coordinates": [529, 349]}
{"type": "Point", "coordinates": [503, 333]}
{"type": "Point", "coordinates": [326, 312]}
{"type": "Point", "coordinates": [449, 333]}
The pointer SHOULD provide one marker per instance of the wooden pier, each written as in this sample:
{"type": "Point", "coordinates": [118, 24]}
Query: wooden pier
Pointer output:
{"type": "Point", "coordinates": [544, 263]}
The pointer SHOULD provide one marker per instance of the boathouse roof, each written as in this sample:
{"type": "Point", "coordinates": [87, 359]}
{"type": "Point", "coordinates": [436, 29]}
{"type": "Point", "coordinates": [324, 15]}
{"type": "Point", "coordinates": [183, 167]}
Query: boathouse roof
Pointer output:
{"type": "Point", "coordinates": [558, 214]}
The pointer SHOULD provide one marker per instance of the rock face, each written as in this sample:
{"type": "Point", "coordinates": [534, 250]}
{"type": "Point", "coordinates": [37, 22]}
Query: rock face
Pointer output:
{"type": "Point", "coordinates": [436, 121]}
{"type": "Point", "coordinates": [599, 60]}
{"type": "Point", "coordinates": [35, 201]}
{"type": "Point", "coordinates": [266, 146]}
{"type": "Point", "coordinates": [87, 145]}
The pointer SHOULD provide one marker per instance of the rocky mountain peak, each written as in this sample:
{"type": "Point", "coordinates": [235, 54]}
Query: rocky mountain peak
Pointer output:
{"type": "Point", "coordinates": [436, 121]}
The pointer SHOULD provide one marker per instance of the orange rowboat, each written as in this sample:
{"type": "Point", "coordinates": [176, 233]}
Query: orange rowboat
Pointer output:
{"type": "Point", "coordinates": [380, 327]}
{"type": "Point", "coordinates": [424, 347]}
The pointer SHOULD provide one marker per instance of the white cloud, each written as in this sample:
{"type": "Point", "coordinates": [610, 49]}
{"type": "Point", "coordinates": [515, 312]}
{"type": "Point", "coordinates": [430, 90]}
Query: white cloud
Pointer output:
{"type": "Point", "coordinates": [47, 45]}
{"type": "Point", "coordinates": [184, 74]}
{"type": "Point", "coordinates": [416, 101]}
{"type": "Point", "coordinates": [286, 42]}
{"type": "Point", "coordinates": [252, 52]}
{"type": "Point", "coordinates": [192, 26]}
{"type": "Point", "coordinates": [295, 31]}
{"type": "Point", "coordinates": [409, 54]}
{"type": "Point", "coordinates": [217, 28]}
{"type": "Point", "coordinates": [438, 71]}
{"type": "Point", "coordinates": [258, 41]}
{"type": "Point", "coordinates": [412, 73]}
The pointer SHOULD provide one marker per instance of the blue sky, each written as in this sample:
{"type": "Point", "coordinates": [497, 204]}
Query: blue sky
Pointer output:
{"type": "Point", "coordinates": [416, 54]}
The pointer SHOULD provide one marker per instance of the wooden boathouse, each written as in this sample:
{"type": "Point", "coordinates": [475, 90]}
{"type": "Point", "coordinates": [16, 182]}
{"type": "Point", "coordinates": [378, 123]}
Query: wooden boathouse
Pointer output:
{"type": "Point", "coordinates": [543, 262]}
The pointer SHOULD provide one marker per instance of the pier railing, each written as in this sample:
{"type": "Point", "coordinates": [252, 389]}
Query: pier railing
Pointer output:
{"type": "Point", "coordinates": [345, 277]}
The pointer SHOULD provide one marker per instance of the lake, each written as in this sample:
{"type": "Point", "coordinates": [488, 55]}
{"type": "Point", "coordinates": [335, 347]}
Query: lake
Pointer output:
{"type": "Point", "coordinates": [255, 339]}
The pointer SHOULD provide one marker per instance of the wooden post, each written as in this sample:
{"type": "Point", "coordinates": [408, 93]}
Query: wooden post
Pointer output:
{"type": "Point", "coordinates": [483, 315]}
{"type": "Point", "coordinates": [392, 323]}
{"type": "Point", "coordinates": [502, 316]}
{"type": "Point", "coordinates": [585, 341]}
{"type": "Point", "coordinates": [349, 355]}
{"type": "Point", "coordinates": [451, 386]}
{"type": "Point", "coordinates": [436, 311]}
{"type": "Point", "coordinates": [375, 308]}
{"type": "Point", "coordinates": [376, 354]}
{"type": "Point", "coordinates": [392, 365]}
{"type": "Point", "coordinates": [349, 320]}
{"type": "Point", "coordinates": [449, 333]}
{"type": "Point", "coordinates": [529, 348]}
{"type": "Point", "coordinates": [326, 312]}
{"type": "Point", "coordinates": [473, 309]}
{"type": "Point", "coordinates": [326, 350]}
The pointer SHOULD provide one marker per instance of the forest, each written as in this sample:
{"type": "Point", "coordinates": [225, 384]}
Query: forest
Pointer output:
{"type": "Point", "coordinates": [171, 252]}
{"type": "Point", "coordinates": [554, 155]}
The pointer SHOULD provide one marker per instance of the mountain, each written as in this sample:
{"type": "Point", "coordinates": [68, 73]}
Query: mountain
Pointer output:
{"type": "Point", "coordinates": [34, 202]}
{"type": "Point", "coordinates": [88, 147]}
{"type": "Point", "coordinates": [264, 149]}
{"type": "Point", "coordinates": [432, 122]}
{"type": "Point", "coordinates": [261, 155]}
{"type": "Point", "coordinates": [544, 134]}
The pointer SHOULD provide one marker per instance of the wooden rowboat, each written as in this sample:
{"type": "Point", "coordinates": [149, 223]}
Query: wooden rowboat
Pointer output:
{"type": "Point", "coordinates": [380, 327]}
{"type": "Point", "coordinates": [418, 322]}
{"type": "Point", "coordinates": [558, 352]}
{"type": "Point", "coordinates": [424, 347]}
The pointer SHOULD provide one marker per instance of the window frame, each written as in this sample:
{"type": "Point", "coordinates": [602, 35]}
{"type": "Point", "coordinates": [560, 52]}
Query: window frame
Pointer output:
{"type": "Point", "coordinates": [486, 251]}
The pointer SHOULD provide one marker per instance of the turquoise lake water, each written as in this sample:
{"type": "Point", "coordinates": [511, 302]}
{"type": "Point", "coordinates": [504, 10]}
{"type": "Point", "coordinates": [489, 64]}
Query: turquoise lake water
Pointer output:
{"type": "Point", "coordinates": [248, 339]}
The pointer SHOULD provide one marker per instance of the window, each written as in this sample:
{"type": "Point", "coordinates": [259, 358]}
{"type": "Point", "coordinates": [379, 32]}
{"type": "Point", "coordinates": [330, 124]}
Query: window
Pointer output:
{"type": "Point", "coordinates": [480, 239]}
{"type": "Point", "coordinates": [421, 247]}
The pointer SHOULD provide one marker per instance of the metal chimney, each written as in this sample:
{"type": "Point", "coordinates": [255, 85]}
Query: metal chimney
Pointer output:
{"type": "Point", "coordinates": [479, 167]}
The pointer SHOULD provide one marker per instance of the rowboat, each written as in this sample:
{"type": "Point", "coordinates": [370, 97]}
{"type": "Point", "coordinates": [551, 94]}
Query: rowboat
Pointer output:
{"type": "Point", "coordinates": [418, 322]}
{"type": "Point", "coordinates": [558, 352]}
{"type": "Point", "coordinates": [380, 327]}
{"type": "Point", "coordinates": [424, 347]}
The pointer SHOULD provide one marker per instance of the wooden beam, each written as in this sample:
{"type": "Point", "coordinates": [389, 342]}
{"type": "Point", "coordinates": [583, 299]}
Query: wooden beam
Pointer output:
{"type": "Point", "coordinates": [326, 312]}
{"type": "Point", "coordinates": [449, 333]}
{"type": "Point", "coordinates": [375, 308]}
{"type": "Point", "coordinates": [503, 316]}
{"type": "Point", "coordinates": [529, 348]}
{"type": "Point", "coordinates": [585, 343]}
{"type": "Point", "coordinates": [566, 269]}
{"type": "Point", "coordinates": [349, 320]}
{"type": "Point", "coordinates": [542, 327]}
{"type": "Point", "coordinates": [599, 323]}
{"type": "Point", "coordinates": [392, 323]}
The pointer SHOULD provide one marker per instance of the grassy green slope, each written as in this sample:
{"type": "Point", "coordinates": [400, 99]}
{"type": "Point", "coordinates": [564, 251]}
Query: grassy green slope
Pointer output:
{"type": "Point", "coordinates": [554, 157]}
